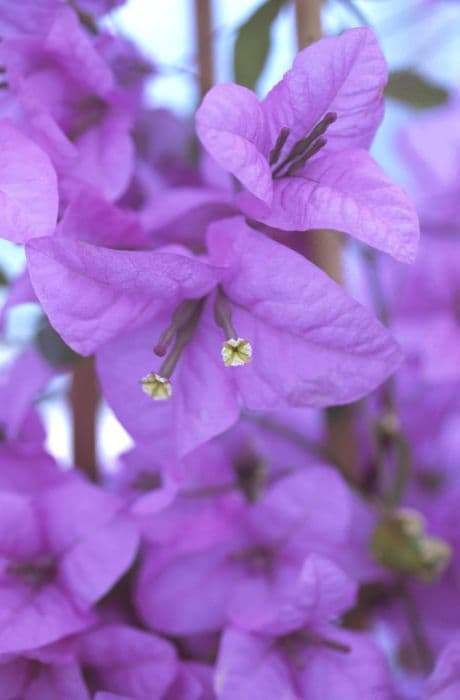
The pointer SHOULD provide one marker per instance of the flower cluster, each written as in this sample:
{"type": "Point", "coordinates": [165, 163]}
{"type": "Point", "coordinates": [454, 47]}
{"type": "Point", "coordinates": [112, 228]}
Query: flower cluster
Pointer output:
{"type": "Point", "coordinates": [233, 554]}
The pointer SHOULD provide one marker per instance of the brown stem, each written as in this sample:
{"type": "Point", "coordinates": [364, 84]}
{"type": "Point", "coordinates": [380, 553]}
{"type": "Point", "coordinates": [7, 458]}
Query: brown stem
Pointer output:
{"type": "Point", "coordinates": [85, 18]}
{"type": "Point", "coordinates": [342, 441]}
{"type": "Point", "coordinates": [84, 400]}
{"type": "Point", "coordinates": [324, 248]}
{"type": "Point", "coordinates": [390, 441]}
{"type": "Point", "coordinates": [308, 21]}
{"type": "Point", "coordinates": [422, 646]}
{"type": "Point", "coordinates": [203, 22]}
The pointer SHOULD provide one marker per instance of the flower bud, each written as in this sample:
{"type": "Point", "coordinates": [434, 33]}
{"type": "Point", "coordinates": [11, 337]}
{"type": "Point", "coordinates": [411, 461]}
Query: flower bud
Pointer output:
{"type": "Point", "coordinates": [399, 543]}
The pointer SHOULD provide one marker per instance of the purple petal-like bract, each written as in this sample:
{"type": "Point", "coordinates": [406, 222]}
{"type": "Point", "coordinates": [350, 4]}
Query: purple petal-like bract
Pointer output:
{"type": "Point", "coordinates": [28, 187]}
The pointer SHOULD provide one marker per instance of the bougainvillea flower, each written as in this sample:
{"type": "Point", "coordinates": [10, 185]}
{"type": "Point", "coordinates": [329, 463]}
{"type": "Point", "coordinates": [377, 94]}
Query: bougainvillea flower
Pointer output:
{"type": "Point", "coordinates": [29, 680]}
{"type": "Point", "coordinates": [251, 569]}
{"type": "Point", "coordinates": [435, 169]}
{"type": "Point", "coordinates": [440, 510]}
{"type": "Point", "coordinates": [91, 218]}
{"type": "Point", "coordinates": [128, 662]}
{"type": "Point", "coordinates": [131, 69]}
{"type": "Point", "coordinates": [168, 215]}
{"type": "Point", "coordinates": [16, 395]}
{"type": "Point", "coordinates": [61, 551]}
{"type": "Point", "coordinates": [165, 155]}
{"type": "Point", "coordinates": [65, 98]}
{"type": "Point", "coordinates": [20, 291]}
{"type": "Point", "coordinates": [300, 153]}
{"type": "Point", "coordinates": [26, 468]}
{"type": "Point", "coordinates": [246, 459]}
{"type": "Point", "coordinates": [28, 17]}
{"type": "Point", "coordinates": [88, 217]}
{"type": "Point", "coordinates": [444, 682]}
{"type": "Point", "coordinates": [113, 661]}
{"type": "Point", "coordinates": [36, 16]}
{"type": "Point", "coordinates": [99, 7]}
{"type": "Point", "coordinates": [427, 311]}
{"type": "Point", "coordinates": [229, 318]}
{"type": "Point", "coordinates": [143, 482]}
{"type": "Point", "coordinates": [105, 291]}
{"type": "Point", "coordinates": [336, 665]}
{"type": "Point", "coordinates": [28, 187]}
{"type": "Point", "coordinates": [194, 681]}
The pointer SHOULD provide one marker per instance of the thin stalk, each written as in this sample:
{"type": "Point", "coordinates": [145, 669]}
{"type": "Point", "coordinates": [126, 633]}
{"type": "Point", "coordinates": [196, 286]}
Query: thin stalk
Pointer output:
{"type": "Point", "coordinates": [204, 41]}
{"type": "Point", "coordinates": [414, 621]}
{"type": "Point", "coordinates": [391, 444]}
{"type": "Point", "coordinates": [84, 400]}
{"type": "Point", "coordinates": [324, 248]}
{"type": "Point", "coordinates": [308, 21]}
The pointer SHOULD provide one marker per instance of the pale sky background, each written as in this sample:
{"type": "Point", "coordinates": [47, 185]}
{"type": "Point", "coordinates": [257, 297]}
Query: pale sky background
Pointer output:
{"type": "Point", "coordinates": [424, 34]}
{"type": "Point", "coordinates": [411, 35]}
{"type": "Point", "coordinates": [164, 29]}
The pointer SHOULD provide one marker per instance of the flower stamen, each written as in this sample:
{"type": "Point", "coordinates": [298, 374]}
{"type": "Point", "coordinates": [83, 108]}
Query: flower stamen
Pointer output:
{"type": "Point", "coordinates": [309, 153]}
{"type": "Point", "coordinates": [278, 147]}
{"type": "Point", "coordinates": [34, 573]}
{"type": "Point", "coordinates": [235, 351]}
{"type": "Point", "coordinates": [157, 387]}
{"type": "Point", "coordinates": [185, 319]}
{"type": "Point", "coordinates": [302, 150]}
{"type": "Point", "coordinates": [180, 318]}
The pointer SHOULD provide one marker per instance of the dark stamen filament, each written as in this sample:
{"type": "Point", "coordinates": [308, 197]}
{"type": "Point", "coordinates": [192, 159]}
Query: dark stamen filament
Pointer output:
{"type": "Point", "coordinates": [310, 637]}
{"type": "Point", "coordinates": [235, 351]}
{"type": "Point", "coordinates": [300, 162]}
{"type": "Point", "coordinates": [33, 573]}
{"type": "Point", "coordinates": [295, 644]}
{"type": "Point", "coordinates": [223, 315]}
{"type": "Point", "coordinates": [303, 149]}
{"type": "Point", "coordinates": [335, 646]}
{"type": "Point", "coordinates": [183, 334]}
{"type": "Point", "coordinates": [181, 316]}
{"type": "Point", "coordinates": [278, 147]}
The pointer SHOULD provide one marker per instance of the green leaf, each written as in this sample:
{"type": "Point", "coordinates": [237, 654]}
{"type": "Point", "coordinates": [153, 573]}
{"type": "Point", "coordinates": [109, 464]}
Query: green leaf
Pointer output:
{"type": "Point", "coordinates": [253, 43]}
{"type": "Point", "coordinates": [413, 89]}
{"type": "Point", "coordinates": [53, 348]}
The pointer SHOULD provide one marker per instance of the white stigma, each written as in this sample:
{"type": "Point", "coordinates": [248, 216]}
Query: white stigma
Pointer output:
{"type": "Point", "coordinates": [236, 352]}
{"type": "Point", "coordinates": [157, 387]}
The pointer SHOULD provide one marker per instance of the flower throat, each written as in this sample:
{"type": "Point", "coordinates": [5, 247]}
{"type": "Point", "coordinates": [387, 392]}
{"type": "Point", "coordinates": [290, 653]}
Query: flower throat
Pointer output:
{"type": "Point", "coordinates": [235, 351]}
{"type": "Point", "coordinates": [301, 151]}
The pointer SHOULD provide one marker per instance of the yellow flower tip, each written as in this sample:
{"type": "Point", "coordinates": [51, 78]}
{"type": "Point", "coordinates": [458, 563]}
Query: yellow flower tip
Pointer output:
{"type": "Point", "coordinates": [236, 352]}
{"type": "Point", "coordinates": [157, 387]}
{"type": "Point", "coordinates": [412, 522]}
{"type": "Point", "coordinates": [436, 554]}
